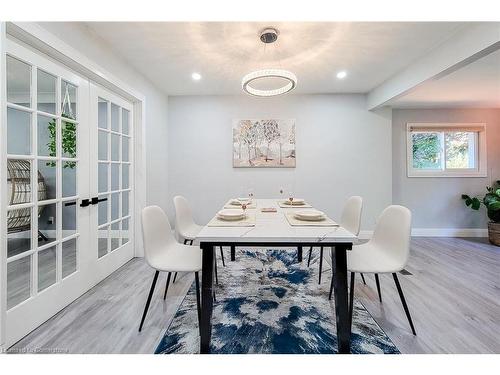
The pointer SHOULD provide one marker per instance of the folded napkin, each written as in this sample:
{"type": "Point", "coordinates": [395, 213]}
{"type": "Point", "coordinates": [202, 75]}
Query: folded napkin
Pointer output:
{"type": "Point", "coordinates": [249, 206]}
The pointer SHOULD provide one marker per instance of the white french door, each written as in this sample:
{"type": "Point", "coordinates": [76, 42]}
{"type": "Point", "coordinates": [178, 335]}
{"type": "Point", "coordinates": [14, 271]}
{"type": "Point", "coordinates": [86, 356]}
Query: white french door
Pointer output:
{"type": "Point", "coordinates": [111, 183]}
{"type": "Point", "coordinates": [48, 234]}
{"type": "Point", "coordinates": [69, 187]}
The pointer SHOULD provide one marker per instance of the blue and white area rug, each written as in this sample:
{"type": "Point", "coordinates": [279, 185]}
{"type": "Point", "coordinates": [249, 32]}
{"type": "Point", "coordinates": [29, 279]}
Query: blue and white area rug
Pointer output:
{"type": "Point", "coordinates": [269, 303]}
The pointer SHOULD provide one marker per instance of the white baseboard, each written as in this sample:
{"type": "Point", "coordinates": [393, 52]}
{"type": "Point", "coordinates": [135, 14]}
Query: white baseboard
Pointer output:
{"type": "Point", "coordinates": [437, 232]}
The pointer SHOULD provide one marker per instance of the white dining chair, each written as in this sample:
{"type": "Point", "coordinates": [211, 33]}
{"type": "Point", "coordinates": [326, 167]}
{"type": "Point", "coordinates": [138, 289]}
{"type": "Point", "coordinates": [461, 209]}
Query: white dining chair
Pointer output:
{"type": "Point", "coordinates": [350, 219]}
{"type": "Point", "coordinates": [187, 229]}
{"type": "Point", "coordinates": [164, 254]}
{"type": "Point", "coordinates": [387, 252]}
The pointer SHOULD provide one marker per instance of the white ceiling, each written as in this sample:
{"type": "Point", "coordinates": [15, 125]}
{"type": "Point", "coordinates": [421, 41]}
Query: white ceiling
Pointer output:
{"type": "Point", "coordinates": [370, 52]}
{"type": "Point", "coordinates": [475, 85]}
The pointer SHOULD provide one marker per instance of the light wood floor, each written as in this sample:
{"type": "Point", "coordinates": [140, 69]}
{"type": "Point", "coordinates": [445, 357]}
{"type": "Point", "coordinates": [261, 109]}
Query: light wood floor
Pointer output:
{"type": "Point", "coordinates": [453, 295]}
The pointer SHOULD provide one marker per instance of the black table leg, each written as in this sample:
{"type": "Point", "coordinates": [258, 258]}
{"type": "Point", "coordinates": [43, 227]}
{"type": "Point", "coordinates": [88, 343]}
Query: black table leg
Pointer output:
{"type": "Point", "coordinates": [299, 254]}
{"type": "Point", "coordinates": [341, 305]}
{"type": "Point", "coordinates": [233, 253]}
{"type": "Point", "coordinates": [206, 297]}
{"type": "Point", "coordinates": [320, 263]}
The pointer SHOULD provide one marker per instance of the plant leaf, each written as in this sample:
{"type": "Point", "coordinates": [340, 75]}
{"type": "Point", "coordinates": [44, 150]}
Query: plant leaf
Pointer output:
{"type": "Point", "coordinates": [495, 206]}
{"type": "Point", "coordinates": [465, 196]}
{"type": "Point", "coordinates": [490, 198]}
{"type": "Point", "coordinates": [497, 192]}
{"type": "Point", "coordinates": [475, 204]}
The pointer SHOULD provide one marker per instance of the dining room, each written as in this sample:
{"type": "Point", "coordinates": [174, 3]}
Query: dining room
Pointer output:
{"type": "Point", "coordinates": [239, 188]}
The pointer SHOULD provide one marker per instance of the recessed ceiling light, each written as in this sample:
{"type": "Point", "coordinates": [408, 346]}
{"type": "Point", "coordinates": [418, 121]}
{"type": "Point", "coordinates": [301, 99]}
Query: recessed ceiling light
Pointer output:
{"type": "Point", "coordinates": [342, 74]}
{"type": "Point", "coordinates": [196, 76]}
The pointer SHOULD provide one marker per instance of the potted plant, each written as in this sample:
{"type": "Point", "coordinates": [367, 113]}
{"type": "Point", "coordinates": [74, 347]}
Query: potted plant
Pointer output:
{"type": "Point", "coordinates": [492, 203]}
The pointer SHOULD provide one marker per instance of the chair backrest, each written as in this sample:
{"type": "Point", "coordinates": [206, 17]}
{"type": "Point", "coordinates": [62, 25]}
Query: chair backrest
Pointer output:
{"type": "Point", "coordinates": [393, 232]}
{"type": "Point", "coordinates": [183, 215]}
{"type": "Point", "coordinates": [351, 215]}
{"type": "Point", "coordinates": [156, 232]}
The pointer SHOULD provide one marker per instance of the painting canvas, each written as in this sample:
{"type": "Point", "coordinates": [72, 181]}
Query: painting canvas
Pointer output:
{"type": "Point", "coordinates": [264, 143]}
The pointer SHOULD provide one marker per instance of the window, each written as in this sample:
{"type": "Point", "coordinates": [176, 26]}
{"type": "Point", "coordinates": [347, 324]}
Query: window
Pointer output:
{"type": "Point", "coordinates": [446, 150]}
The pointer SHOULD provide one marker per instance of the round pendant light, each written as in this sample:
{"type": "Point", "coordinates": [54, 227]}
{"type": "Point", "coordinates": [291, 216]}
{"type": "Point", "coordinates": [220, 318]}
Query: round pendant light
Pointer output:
{"type": "Point", "coordinates": [268, 36]}
{"type": "Point", "coordinates": [265, 74]}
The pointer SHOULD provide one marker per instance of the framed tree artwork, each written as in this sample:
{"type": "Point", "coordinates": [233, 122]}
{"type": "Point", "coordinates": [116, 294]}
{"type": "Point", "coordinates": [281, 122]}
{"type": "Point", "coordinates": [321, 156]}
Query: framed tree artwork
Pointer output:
{"type": "Point", "coordinates": [264, 143]}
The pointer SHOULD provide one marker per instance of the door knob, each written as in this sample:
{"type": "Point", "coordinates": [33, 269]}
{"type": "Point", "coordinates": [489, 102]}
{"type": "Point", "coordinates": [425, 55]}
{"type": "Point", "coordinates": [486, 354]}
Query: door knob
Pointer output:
{"type": "Point", "coordinates": [85, 203]}
{"type": "Point", "coordinates": [96, 200]}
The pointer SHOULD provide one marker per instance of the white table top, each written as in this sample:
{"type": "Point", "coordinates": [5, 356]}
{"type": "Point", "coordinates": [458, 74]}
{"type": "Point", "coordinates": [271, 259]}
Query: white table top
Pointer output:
{"type": "Point", "coordinates": [273, 227]}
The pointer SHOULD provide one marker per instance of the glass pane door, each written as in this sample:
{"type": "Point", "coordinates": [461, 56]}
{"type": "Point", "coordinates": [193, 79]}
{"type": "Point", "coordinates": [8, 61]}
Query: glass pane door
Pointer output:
{"type": "Point", "coordinates": [47, 175]}
{"type": "Point", "coordinates": [69, 186]}
{"type": "Point", "coordinates": [42, 229]}
{"type": "Point", "coordinates": [111, 183]}
{"type": "Point", "coordinates": [113, 168]}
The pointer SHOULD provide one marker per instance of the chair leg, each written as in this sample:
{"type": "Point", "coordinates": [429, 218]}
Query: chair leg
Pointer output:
{"type": "Point", "coordinates": [166, 285]}
{"type": "Point", "coordinates": [310, 255]}
{"type": "Point", "coordinates": [351, 298]}
{"type": "Point", "coordinates": [198, 303]}
{"type": "Point", "coordinates": [149, 299]}
{"type": "Point", "coordinates": [403, 301]}
{"type": "Point", "coordinates": [222, 256]}
{"type": "Point", "coordinates": [320, 263]}
{"type": "Point", "coordinates": [191, 243]}
{"type": "Point", "coordinates": [377, 281]}
{"type": "Point", "coordinates": [363, 278]}
{"type": "Point", "coordinates": [175, 277]}
{"type": "Point", "coordinates": [185, 241]}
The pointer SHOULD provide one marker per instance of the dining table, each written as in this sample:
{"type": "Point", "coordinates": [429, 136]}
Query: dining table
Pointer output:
{"type": "Point", "coordinates": [274, 230]}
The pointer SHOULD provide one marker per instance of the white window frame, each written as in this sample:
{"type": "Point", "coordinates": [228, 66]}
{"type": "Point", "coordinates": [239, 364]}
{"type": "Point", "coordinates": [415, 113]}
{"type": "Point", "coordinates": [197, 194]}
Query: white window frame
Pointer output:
{"type": "Point", "coordinates": [481, 154]}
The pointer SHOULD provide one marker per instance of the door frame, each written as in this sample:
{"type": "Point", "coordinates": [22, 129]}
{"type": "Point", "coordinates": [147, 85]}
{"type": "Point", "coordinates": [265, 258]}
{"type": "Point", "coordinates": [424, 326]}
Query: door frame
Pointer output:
{"type": "Point", "coordinates": [36, 37]}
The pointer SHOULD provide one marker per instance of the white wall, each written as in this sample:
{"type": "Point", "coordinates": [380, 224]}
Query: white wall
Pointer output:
{"type": "Point", "coordinates": [436, 202]}
{"type": "Point", "coordinates": [97, 50]}
{"type": "Point", "coordinates": [342, 150]}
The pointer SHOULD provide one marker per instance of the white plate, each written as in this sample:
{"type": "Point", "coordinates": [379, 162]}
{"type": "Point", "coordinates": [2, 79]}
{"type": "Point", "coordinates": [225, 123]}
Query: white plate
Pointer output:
{"type": "Point", "coordinates": [230, 215]}
{"type": "Point", "coordinates": [310, 215]}
{"type": "Point", "coordinates": [296, 202]}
